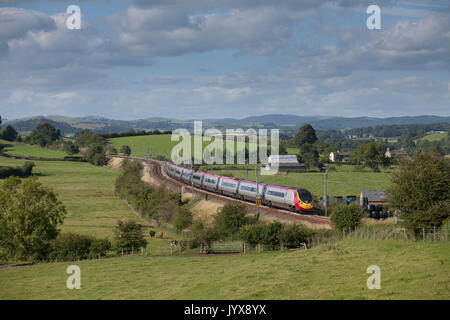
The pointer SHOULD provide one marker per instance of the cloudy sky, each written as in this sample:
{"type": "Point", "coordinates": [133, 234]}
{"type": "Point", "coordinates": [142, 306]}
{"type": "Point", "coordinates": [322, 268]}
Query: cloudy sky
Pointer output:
{"type": "Point", "coordinates": [197, 59]}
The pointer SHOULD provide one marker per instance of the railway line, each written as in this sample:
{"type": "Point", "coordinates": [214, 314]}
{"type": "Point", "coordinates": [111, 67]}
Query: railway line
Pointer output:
{"type": "Point", "coordinates": [281, 214]}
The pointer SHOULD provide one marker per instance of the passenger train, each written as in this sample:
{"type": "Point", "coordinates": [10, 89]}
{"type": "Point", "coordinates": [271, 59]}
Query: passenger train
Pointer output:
{"type": "Point", "coordinates": [290, 198]}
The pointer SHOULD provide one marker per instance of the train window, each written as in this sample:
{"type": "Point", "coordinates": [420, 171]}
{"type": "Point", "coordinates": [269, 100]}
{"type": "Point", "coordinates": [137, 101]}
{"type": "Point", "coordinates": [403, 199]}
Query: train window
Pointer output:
{"type": "Point", "coordinates": [305, 195]}
{"type": "Point", "coordinates": [228, 184]}
{"type": "Point", "coordinates": [196, 177]}
{"type": "Point", "coordinates": [247, 188]}
{"type": "Point", "coordinates": [276, 193]}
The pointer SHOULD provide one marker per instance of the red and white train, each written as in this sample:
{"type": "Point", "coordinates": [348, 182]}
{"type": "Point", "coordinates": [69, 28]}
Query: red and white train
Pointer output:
{"type": "Point", "coordinates": [291, 198]}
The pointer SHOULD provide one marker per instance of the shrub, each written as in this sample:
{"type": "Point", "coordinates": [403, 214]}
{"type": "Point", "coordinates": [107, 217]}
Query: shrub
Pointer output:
{"type": "Point", "coordinates": [128, 235]}
{"type": "Point", "coordinates": [252, 234]}
{"type": "Point", "coordinates": [99, 247]}
{"type": "Point", "coordinates": [21, 172]}
{"type": "Point", "coordinates": [292, 235]}
{"type": "Point", "coordinates": [346, 216]}
{"type": "Point", "coordinates": [271, 235]}
{"type": "Point", "coordinates": [203, 235]}
{"type": "Point", "coordinates": [96, 155]}
{"type": "Point", "coordinates": [70, 246]}
{"type": "Point", "coordinates": [230, 219]}
{"type": "Point", "coordinates": [181, 219]}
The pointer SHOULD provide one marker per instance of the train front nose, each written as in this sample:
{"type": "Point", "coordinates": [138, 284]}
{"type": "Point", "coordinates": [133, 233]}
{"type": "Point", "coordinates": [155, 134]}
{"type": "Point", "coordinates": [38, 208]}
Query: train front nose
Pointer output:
{"type": "Point", "coordinates": [307, 206]}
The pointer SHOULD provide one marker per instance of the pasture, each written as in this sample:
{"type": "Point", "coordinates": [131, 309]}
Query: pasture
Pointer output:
{"type": "Point", "coordinates": [409, 270]}
{"type": "Point", "coordinates": [34, 151]}
{"type": "Point", "coordinates": [159, 145]}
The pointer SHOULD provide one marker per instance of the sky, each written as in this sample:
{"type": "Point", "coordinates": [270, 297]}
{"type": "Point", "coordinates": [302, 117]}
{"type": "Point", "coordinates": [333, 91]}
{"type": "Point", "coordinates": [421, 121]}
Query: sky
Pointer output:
{"type": "Point", "coordinates": [202, 59]}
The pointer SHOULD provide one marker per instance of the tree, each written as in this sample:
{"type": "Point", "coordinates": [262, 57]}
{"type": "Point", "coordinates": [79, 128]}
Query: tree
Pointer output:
{"type": "Point", "coordinates": [309, 155]}
{"type": "Point", "coordinates": [305, 134]}
{"type": "Point", "coordinates": [125, 150]}
{"type": "Point", "coordinates": [230, 219]}
{"type": "Point", "coordinates": [128, 235]}
{"type": "Point", "coordinates": [181, 219]}
{"type": "Point", "coordinates": [419, 189]}
{"type": "Point", "coordinates": [29, 217]}
{"type": "Point", "coordinates": [96, 155]}
{"type": "Point", "coordinates": [70, 148]}
{"type": "Point", "coordinates": [9, 134]}
{"type": "Point", "coordinates": [204, 235]}
{"type": "Point", "coordinates": [44, 134]}
{"type": "Point", "coordinates": [346, 216]}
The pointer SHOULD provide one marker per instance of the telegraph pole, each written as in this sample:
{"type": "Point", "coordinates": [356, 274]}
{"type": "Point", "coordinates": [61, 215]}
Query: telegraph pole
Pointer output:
{"type": "Point", "coordinates": [192, 179]}
{"type": "Point", "coordinates": [326, 195]}
{"type": "Point", "coordinates": [246, 169]}
{"type": "Point", "coordinates": [258, 200]}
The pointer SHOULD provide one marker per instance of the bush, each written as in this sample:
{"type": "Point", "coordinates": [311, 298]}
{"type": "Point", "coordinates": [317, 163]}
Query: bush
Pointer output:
{"type": "Point", "coordinates": [181, 219]}
{"type": "Point", "coordinates": [21, 172]}
{"type": "Point", "coordinates": [96, 155]}
{"type": "Point", "coordinates": [99, 247]}
{"type": "Point", "coordinates": [346, 216]}
{"type": "Point", "coordinates": [271, 235]}
{"type": "Point", "coordinates": [203, 235]}
{"type": "Point", "coordinates": [230, 219]}
{"type": "Point", "coordinates": [69, 247]}
{"type": "Point", "coordinates": [128, 236]}
{"type": "Point", "coordinates": [292, 235]}
{"type": "Point", "coordinates": [252, 234]}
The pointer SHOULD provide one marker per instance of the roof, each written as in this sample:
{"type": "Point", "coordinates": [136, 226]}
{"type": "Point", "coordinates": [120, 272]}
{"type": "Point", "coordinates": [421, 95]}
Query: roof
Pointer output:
{"type": "Point", "coordinates": [374, 195]}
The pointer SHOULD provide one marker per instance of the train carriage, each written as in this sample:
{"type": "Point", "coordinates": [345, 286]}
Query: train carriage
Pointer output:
{"type": "Point", "coordinates": [186, 176]}
{"type": "Point", "coordinates": [197, 179]}
{"type": "Point", "coordinates": [210, 182]}
{"type": "Point", "coordinates": [228, 186]}
{"type": "Point", "coordinates": [247, 190]}
{"type": "Point", "coordinates": [278, 196]}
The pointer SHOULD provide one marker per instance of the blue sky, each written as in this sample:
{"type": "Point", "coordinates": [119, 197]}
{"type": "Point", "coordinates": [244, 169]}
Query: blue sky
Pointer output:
{"type": "Point", "coordinates": [203, 59]}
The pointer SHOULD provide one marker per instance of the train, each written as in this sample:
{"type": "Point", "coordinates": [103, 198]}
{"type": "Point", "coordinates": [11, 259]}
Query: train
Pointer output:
{"type": "Point", "coordinates": [290, 198]}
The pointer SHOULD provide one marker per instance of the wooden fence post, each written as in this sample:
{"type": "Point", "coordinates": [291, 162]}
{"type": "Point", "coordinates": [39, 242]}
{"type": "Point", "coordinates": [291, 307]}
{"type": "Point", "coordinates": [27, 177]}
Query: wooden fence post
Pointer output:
{"type": "Point", "coordinates": [423, 234]}
{"type": "Point", "coordinates": [434, 233]}
{"type": "Point", "coordinates": [446, 232]}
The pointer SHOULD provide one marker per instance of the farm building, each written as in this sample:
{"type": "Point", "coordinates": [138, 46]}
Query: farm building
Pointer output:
{"type": "Point", "coordinates": [285, 162]}
{"type": "Point", "coordinates": [395, 153]}
{"type": "Point", "coordinates": [375, 201]}
{"type": "Point", "coordinates": [373, 197]}
{"type": "Point", "coordinates": [339, 156]}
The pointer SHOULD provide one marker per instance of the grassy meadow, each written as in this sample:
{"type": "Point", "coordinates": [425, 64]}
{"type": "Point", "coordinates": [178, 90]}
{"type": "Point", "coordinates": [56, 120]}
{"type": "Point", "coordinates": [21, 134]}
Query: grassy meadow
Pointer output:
{"type": "Point", "coordinates": [34, 151]}
{"type": "Point", "coordinates": [159, 145]}
{"type": "Point", "coordinates": [408, 271]}
{"type": "Point", "coordinates": [87, 192]}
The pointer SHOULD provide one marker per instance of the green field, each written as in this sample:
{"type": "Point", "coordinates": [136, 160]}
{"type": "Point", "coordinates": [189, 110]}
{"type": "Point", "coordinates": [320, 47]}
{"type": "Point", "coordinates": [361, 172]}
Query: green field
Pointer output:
{"type": "Point", "coordinates": [87, 192]}
{"type": "Point", "coordinates": [34, 151]}
{"type": "Point", "coordinates": [159, 145]}
{"type": "Point", "coordinates": [435, 136]}
{"type": "Point", "coordinates": [342, 182]}
{"type": "Point", "coordinates": [408, 271]}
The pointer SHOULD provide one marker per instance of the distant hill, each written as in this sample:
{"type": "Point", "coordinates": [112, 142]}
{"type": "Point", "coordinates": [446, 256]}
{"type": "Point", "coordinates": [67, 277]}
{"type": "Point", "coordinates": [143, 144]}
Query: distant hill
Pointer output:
{"type": "Point", "coordinates": [285, 122]}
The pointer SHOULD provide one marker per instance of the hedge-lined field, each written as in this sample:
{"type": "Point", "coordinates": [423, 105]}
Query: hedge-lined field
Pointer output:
{"type": "Point", "coordinates": [87, 192]}
{"type": "Point", "coordinates": [408, 271]}
{"type": "Point", "coordinates": [34, 151]}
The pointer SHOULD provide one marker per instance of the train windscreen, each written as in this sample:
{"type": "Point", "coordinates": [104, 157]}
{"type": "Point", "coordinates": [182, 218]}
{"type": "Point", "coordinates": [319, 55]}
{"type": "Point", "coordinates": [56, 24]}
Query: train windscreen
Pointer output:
{"type": "Point", "coordinates": [305, 195]}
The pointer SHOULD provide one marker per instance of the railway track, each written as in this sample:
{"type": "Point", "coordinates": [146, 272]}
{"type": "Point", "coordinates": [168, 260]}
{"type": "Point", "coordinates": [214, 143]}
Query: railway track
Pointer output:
{"type": "Point", "coordinates": [176, 185]}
